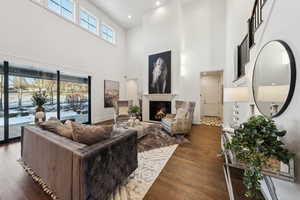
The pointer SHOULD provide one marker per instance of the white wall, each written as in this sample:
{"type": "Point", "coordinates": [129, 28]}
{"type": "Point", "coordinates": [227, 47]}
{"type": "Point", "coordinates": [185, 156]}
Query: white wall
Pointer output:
{"type": "Point", "coordinates": [279, 23]}
{"type": "Point", "coordinates": [34, 36]}
{"type": "Point", "coordinates": [194, 32]}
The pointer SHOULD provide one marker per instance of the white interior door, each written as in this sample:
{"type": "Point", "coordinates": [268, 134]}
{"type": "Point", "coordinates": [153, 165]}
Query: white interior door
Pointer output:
{"type": "Point", "coordinates": [211, 95]}
{"type": "Point", "coordinates": [132, 91]}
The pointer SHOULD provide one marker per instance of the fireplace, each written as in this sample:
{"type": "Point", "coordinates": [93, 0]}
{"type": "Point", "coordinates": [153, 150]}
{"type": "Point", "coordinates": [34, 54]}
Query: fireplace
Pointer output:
{"type": "Point", "coordinates": [159, 109]}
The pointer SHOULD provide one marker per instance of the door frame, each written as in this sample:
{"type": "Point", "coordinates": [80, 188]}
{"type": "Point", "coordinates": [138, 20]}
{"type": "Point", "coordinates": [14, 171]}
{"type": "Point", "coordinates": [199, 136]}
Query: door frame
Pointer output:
{"type": "Point", "coordinates": [221, 90]}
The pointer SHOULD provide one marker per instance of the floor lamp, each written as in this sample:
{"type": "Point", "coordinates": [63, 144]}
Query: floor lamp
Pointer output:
{"type": "Point", "coordinates": [238, 94]}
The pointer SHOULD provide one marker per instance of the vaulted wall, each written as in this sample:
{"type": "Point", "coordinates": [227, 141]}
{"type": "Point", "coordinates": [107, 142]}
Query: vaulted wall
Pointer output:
{"type": "Point", "coordinates": [32, 35]}
{"type": "Point", "coordinates": [194, 32]}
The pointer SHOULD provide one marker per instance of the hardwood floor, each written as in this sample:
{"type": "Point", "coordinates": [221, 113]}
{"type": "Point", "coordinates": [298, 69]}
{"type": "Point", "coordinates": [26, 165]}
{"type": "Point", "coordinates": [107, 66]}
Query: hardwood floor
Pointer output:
{"type": "Point", "coordinates": [193, 173]}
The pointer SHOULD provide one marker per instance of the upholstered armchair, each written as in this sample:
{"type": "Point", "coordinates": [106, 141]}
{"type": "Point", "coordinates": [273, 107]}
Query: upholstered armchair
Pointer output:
{"type": "Point", "coordinates": [181, 122]}
{"type": "Point", "coordinates": [122, 110]}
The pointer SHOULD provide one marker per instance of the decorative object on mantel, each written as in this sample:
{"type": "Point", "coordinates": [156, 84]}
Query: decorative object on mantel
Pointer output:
{"type": "Point", "coordinates": [111, 93]}
{"type": "Point", "coordinates": [160, 73]}
{"type": "Point", "coordinates": [39, 99]}
{"type": "Point", "coordinates": [238, 94]}
{"type": "Point", "coordinates": [274, 78]}
{"type": "Point", "coordinates": [256, 144]}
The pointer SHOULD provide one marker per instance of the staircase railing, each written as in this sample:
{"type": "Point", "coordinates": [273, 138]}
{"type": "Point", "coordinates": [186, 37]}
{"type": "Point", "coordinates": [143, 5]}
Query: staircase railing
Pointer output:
{"type": "Point", "coordinates": [255, 20]}
{"type": "Point", "coordinates": [254, 23]}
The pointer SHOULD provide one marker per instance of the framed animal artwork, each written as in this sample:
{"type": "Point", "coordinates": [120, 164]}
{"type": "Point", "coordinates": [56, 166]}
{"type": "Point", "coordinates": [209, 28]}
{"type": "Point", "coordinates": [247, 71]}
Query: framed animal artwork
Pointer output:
{"type": "Point", "coordinates": [160, 73]}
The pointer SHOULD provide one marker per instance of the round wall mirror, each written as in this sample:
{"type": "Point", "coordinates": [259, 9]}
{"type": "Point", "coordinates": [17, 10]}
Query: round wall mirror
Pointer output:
{"type": "Point", "coordinates": [274, 78]}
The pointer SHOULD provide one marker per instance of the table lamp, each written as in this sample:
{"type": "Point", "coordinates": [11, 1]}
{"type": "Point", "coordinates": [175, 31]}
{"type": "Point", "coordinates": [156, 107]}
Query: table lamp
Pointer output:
{"type": "Point", "coordinates": [238, 94]}
{"type": "Point", "coordinates": [275, 94]}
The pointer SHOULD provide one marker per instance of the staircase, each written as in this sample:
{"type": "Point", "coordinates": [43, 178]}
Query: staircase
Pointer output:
{"type": "Point", "coordinates": [248, 42]}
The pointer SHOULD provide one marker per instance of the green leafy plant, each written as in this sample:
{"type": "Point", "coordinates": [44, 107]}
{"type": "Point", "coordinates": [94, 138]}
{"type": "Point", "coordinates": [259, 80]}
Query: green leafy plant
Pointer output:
{"type": "Point", "coordinates": [254, 143]}
{"type": "Point", "coordinates": [39, 98]}
{"type": "Point", "coordinates": [134, 110]}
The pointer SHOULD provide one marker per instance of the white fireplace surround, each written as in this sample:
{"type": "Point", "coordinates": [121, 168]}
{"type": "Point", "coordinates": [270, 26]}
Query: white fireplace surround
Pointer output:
{"type": "Point", "coordinates": [156, 97]}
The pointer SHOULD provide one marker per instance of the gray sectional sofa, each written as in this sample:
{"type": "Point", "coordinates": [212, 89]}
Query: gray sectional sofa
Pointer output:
{"type": "Point", "coordinates": [76, 171]}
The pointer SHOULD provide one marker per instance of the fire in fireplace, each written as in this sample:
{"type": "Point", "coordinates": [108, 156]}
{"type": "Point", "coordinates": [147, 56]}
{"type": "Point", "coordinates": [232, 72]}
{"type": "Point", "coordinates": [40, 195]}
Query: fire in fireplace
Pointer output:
{"type": "Point", "coordinates": [159, 109]}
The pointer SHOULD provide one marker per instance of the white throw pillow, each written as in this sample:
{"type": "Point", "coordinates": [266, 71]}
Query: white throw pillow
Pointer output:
{"type": "Point", "coordinates": [181, 113]}
{"type": "Point", "coordinates": [123, 110]}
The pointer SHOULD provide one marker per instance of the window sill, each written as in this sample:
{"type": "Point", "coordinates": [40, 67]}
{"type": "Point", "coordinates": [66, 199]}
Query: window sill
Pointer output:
{"type": "Point", "coordinates": [71, 22]}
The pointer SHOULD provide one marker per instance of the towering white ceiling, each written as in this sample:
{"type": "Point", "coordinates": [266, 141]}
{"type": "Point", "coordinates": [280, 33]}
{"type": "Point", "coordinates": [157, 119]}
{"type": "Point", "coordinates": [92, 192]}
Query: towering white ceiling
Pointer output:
{"type": "Point", "coordinates": [119, 10]}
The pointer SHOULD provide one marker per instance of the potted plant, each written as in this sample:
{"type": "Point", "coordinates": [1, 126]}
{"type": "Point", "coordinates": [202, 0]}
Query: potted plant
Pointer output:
{"type": "Point", "coordinates": [255, 143]}
{"type": "Point", "coordinates": [39, 99]}
{"type": "Point", "coordinates": [134, 111]}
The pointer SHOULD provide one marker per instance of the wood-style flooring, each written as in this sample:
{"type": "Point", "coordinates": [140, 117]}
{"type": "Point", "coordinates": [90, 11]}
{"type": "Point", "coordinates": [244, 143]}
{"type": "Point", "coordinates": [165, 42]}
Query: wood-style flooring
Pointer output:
{"type": "Point", "coordinates": [194, 172]}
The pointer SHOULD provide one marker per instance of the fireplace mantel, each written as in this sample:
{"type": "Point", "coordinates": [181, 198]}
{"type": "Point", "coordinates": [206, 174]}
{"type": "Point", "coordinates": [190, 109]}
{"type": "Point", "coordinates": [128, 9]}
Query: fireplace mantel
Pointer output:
{"type": "Point", "coordinates": [154, 97]}
{"type": "Point", "coordinates": [160, 97]}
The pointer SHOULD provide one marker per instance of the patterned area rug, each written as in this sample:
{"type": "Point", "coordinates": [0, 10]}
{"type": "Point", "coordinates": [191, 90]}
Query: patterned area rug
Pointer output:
{"type": "Point", "coordinates": [211, 121]}
{"type": "Point", "coordinates": [150, 164]}
{"type": "Point", "coordinates": [154, 151]}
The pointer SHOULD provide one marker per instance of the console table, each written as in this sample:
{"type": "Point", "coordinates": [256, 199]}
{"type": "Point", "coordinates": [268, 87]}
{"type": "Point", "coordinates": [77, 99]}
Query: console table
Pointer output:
{"type": "Point", "coordinates": [268, 174]}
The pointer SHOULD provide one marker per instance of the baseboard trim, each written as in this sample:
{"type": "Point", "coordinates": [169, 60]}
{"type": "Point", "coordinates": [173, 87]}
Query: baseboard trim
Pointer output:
{"type": "Point", "coordinates": [197, 123]}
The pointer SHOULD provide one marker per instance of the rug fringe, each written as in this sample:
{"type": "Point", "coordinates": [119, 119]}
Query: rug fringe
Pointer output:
{"type": "Point", "coordinates": [38, 180]}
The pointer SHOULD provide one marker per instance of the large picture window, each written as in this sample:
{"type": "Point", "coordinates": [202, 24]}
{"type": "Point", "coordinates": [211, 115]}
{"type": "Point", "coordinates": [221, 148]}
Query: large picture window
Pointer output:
{"type": "Point", "coordinates": [68, 97]}
{"type": "Point", "coordinates": [22, 84]}
{"type": "Point", "coordinates": [74, 98]}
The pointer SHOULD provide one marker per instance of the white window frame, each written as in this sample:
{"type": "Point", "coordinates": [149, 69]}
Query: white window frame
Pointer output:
{"type": "Point", "coordinates": [113, 30]}
{"type": "Point", "coordinates": [60, 14]}
{"type": "Point", "coordinates": [90, 14]}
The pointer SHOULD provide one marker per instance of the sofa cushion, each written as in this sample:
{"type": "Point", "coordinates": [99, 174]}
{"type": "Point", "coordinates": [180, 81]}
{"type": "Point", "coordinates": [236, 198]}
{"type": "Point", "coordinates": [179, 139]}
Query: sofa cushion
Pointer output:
{"type": "Point", "coordinates": [181, 113]}
{"type": "Point", "coordinates": [108, 128]}
{"type": "Point", "coordinates": [88, 134]}
{"type": "Point", "coordinates": [57, 127]}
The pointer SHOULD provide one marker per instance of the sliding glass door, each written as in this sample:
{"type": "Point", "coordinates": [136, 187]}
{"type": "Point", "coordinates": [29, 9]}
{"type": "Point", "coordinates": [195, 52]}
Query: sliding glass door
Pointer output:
{"type": "Point", "coordinates": [23, 83]}
{"type": "Point", "coordinates": [74, 97]}
{"type": "Point", "coordinates": [68, 97]}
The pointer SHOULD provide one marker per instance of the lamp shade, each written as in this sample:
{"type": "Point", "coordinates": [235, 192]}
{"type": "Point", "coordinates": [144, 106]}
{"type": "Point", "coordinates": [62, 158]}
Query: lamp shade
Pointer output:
{"type": "Point", "coordinates": [238, 94]}
{"type": "Point", "coordinates": [276, 93]}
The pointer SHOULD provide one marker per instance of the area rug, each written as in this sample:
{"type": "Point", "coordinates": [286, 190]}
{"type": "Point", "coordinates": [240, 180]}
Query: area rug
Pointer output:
{"type": "Point", "coordinates": [211, 121]}
{"type": "Point", "coordinates": [150, 164]}
{"type": "Point", "coordinates": [156, 137]}
{"type": "Point", "coordinates": [154, 151]}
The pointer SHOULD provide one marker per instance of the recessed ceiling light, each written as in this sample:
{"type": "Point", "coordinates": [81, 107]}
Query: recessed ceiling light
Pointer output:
{"type": "Point", "coordinates": [157, 3]}
{"type": "Point", "coordinates": [129, 17]}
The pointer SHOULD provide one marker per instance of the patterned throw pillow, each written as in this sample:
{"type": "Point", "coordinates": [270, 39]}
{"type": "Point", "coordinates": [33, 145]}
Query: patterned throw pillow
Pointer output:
{"type": "Point", "coordinates": [88, 134]}
{"type": "Point", "coordinates": [57, 127]}
{"type": "Point", "coordinates": [181, 113]}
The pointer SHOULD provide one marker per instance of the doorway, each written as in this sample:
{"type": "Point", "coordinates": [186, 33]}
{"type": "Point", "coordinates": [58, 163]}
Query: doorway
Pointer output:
{"type": "Point", "coordinates": [211, 97]}
{"type": "Point", "coordinates": [132, 89]}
